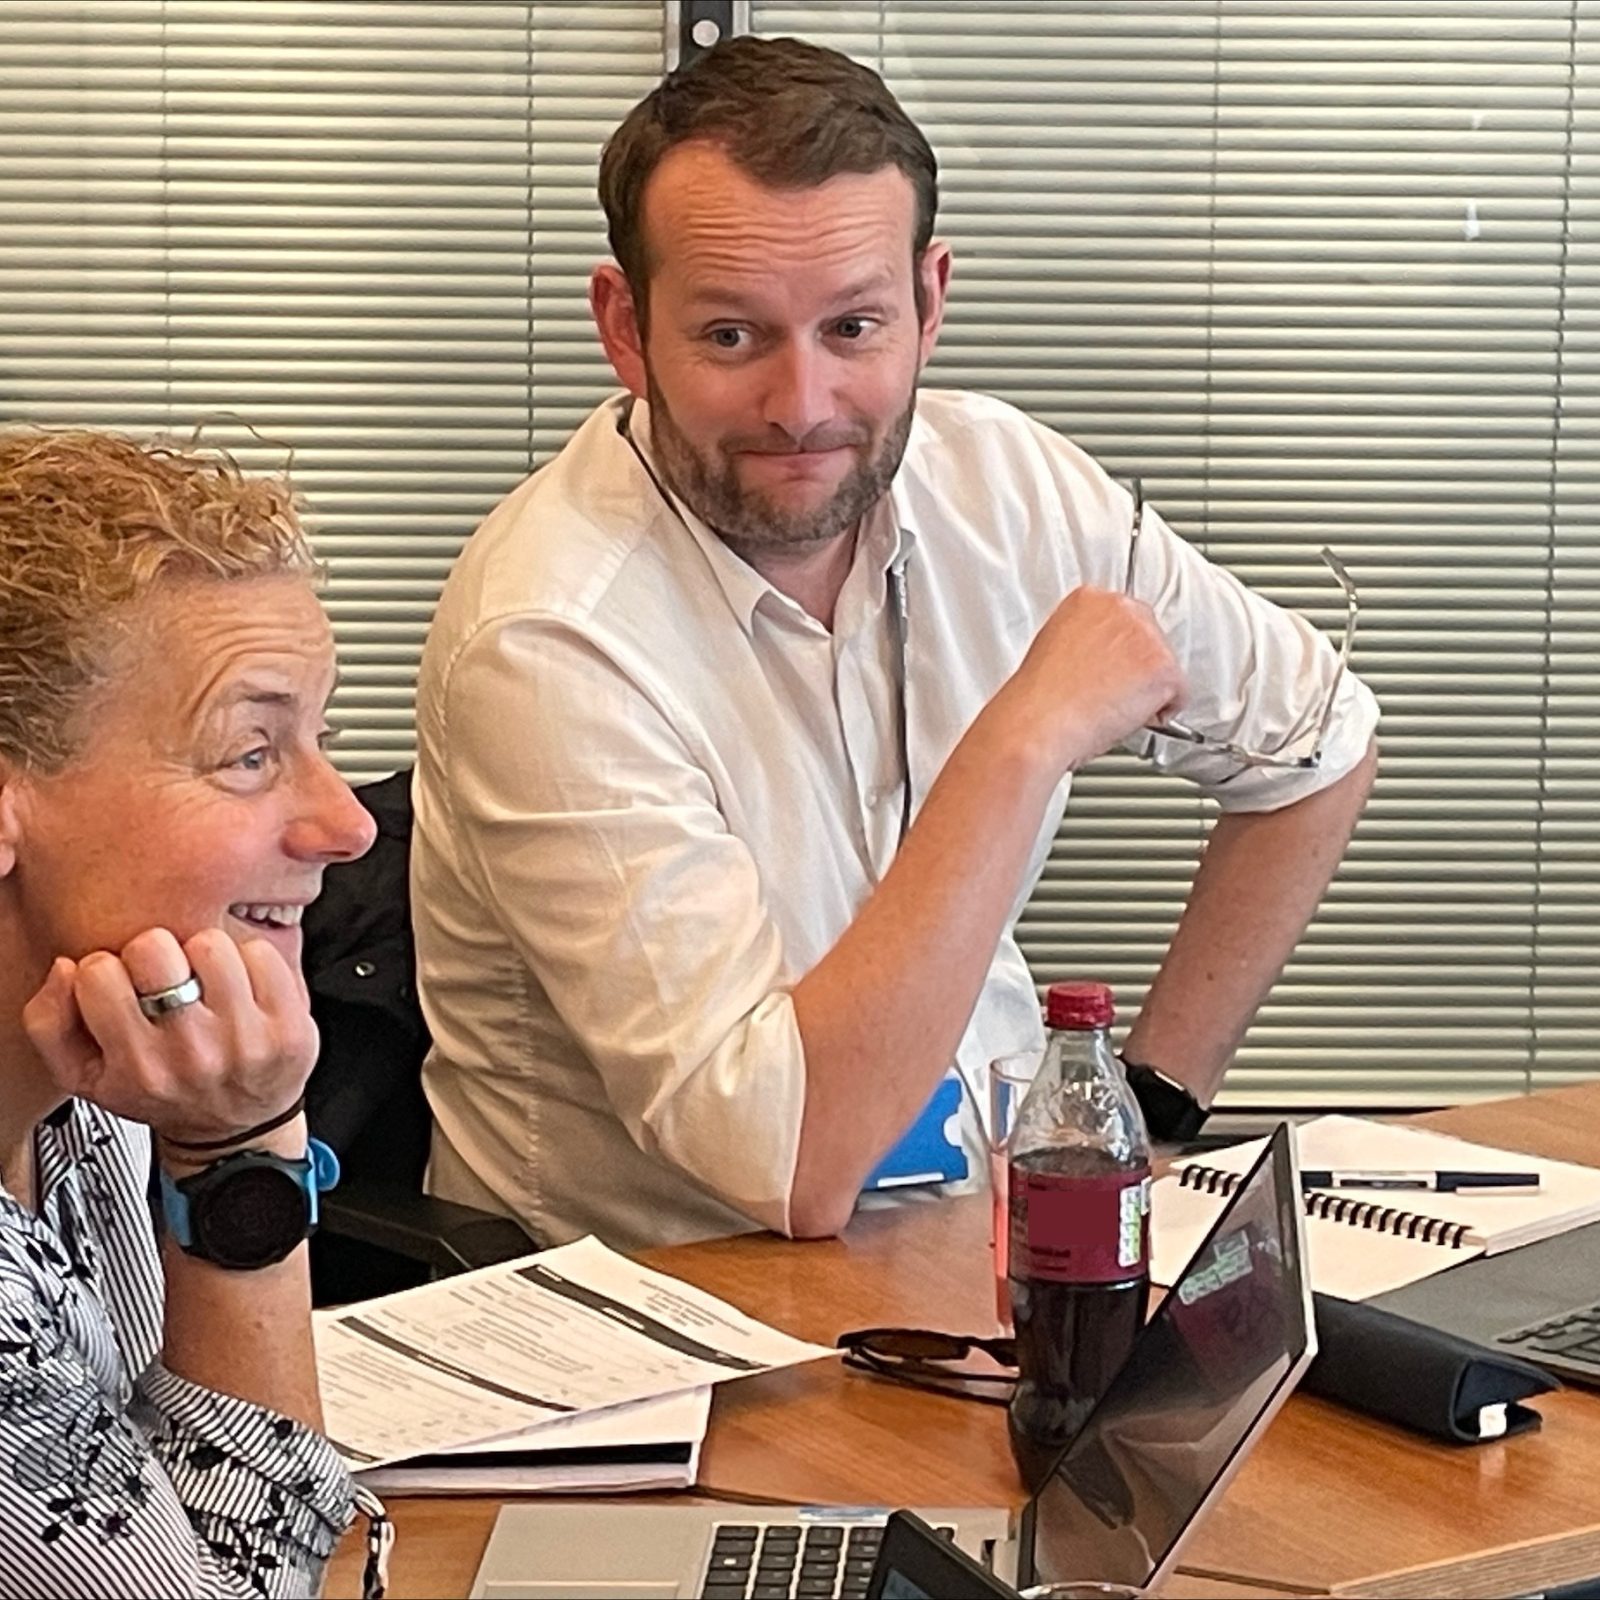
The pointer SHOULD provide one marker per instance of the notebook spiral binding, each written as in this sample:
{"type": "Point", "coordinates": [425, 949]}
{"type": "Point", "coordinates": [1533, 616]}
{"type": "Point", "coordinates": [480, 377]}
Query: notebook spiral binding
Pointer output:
{"type": "Point", "coordinates": [1341, 1208]}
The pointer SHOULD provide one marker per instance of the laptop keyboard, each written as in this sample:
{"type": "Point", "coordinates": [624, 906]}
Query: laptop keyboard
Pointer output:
{"type": "Point", "coordinates": [1575, 1335]}
{"type": "Point", "coordinates": [793, 1561]}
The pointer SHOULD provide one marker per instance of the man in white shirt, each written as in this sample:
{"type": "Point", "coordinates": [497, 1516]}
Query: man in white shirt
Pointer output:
{"type": "Point", "coordinates": [746, 723]}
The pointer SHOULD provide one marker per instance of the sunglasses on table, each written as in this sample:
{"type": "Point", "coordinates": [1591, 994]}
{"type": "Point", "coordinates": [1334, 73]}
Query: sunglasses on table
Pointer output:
{"type": "Point", "coordinates": [923, 1358]}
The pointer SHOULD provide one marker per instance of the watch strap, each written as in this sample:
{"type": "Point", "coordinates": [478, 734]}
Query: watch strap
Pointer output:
{"type": "Point", "coordinates": [1171, 1112]}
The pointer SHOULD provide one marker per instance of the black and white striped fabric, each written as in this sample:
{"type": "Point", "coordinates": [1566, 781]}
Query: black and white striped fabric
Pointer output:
{"type": "Point", "coordinates": [118, 1477]}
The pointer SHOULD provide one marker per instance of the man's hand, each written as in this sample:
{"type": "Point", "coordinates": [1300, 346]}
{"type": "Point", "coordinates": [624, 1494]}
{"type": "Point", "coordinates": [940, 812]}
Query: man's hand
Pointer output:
{"type": "Point", "coordinates": [1098, 669]}
{"type": "Point", "coordinates": [235, 1058]}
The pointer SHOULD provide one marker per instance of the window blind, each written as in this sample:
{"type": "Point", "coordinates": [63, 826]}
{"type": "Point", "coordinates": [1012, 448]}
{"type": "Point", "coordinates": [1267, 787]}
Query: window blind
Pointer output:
{"type": "Point", "coordinates": [361, 228]}
{"type": "Point", "coordinates": [1567, 931]}
{"type": "Point", "coordinates": [1321, 271]}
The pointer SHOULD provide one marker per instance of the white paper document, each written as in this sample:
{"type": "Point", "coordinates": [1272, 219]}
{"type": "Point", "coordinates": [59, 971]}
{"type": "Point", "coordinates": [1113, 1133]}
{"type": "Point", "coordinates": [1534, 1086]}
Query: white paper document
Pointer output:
{"type": "Point", "coordinates": [498, 1350]}
{"type": "Point", "coordinates": [646, 1444]}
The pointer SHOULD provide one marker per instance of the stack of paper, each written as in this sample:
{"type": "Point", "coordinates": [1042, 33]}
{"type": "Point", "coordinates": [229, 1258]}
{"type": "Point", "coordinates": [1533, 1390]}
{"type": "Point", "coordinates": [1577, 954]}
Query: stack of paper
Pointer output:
{"type": "Point", "coordinates": [493, 1353]}
{"type": "Point", "coordinates": [649, 1444]}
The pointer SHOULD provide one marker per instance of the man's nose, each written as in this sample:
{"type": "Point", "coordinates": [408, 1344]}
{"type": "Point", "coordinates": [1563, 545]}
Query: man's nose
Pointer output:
{"type": "Point", "coordinates": [799, 397]}
{"type": "Point", "coordinates": [332, 825]}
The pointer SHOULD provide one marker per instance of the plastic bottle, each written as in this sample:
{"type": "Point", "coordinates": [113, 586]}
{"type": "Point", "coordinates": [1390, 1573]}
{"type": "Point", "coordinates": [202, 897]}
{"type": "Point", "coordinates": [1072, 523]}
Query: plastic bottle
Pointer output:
{"type": "Point", "coordinates": [1079, 1254]}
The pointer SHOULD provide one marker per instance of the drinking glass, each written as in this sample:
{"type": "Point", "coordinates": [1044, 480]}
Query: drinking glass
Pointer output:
{"type": "Point", "coordinates": [1010, 1078]}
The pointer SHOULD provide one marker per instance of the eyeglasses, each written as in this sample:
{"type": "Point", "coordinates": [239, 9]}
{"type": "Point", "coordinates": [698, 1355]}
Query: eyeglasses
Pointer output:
{"type": "Point", "coordinates": [1242, 753]}
{"type": "Point", "coordinates": [922, 1358]}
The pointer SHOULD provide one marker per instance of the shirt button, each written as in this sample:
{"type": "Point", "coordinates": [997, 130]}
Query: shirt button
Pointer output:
{"type": "Point", "coordinates": [364, 969]}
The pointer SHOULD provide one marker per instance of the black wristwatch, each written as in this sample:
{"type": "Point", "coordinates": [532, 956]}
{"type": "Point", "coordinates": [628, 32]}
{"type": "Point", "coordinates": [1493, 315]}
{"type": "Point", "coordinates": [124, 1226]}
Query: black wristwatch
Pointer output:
{"type": "Point", "coordinates": [1171, 1113]}
{"type": "Point", "coordinates": [250, 1209]}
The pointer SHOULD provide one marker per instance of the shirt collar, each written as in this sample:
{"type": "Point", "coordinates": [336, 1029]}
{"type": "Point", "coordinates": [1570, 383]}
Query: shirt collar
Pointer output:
{"type": "Point", "coordinates": [887, 538]}
{"type": "Point", "coordinates": [903, 503]}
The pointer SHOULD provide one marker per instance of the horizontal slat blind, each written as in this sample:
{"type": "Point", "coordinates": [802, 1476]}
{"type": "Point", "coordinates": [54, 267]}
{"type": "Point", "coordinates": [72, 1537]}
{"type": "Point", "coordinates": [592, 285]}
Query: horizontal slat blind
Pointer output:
{"type": "Point", "coordinates": [1310, 267]}
{"type": "Point", "coordinates": [1568, 925]}
{"type": "Point", "coordinates": [364, 227]}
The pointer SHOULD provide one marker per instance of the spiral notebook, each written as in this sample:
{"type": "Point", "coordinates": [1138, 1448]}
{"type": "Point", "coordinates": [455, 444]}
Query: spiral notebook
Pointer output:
{"type": "Point", "coordinates": [1362, 1245]}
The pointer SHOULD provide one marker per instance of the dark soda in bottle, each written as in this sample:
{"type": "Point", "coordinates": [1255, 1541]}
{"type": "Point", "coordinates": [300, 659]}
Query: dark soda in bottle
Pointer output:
{"type": "Point", "coordinates": [1079, 1251]}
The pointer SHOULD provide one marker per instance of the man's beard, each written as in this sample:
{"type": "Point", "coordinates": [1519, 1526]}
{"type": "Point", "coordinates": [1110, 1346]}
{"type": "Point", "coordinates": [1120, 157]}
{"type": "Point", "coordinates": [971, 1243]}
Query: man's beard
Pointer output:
{"type": "Point", "coordinates": [746, 520]}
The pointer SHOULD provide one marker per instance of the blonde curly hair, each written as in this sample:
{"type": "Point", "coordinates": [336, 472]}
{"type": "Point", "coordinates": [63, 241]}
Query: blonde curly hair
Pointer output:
{"type": "Point", "coordinates": [92, 521]}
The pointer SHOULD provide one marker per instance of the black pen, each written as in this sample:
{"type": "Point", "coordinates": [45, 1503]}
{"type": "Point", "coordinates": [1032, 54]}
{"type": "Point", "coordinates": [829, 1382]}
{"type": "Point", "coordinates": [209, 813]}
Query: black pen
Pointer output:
{"type": "Point", "coordinates": [1438, 1182]}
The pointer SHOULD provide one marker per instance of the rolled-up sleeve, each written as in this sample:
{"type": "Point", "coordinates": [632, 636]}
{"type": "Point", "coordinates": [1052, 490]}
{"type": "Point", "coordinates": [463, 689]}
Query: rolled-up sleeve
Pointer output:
{"type": "Point", "coordinates": [182, 1492]}
{"type": "Point", "coordinates": [631, 902]}
{"type": "Point", "coordinates": [1259, 677]}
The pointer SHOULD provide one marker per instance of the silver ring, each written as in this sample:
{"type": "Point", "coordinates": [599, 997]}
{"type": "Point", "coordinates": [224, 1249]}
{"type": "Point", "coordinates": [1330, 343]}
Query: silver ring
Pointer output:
{"type": "Point", "coordinates": [164, 1001]}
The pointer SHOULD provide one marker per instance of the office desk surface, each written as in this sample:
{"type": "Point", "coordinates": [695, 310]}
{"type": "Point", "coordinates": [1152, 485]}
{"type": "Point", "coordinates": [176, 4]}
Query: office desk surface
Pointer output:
{"type": "Point", "coordinates": [1330, 1503]}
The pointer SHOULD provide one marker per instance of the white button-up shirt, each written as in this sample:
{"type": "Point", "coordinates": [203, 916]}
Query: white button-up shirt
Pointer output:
{"type": "Point", "coordinates": [652, 792]}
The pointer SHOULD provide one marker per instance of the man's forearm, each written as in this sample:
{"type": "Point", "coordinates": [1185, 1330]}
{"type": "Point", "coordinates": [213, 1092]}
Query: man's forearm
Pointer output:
{"type": "Point", "coordinates": [1261, 879]}
{"type": "Point", "coordinates": [882, 1013]}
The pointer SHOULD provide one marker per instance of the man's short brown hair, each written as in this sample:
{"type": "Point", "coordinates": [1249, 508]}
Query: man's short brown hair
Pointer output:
{"type": "Point", "coordinates": [790, 114]}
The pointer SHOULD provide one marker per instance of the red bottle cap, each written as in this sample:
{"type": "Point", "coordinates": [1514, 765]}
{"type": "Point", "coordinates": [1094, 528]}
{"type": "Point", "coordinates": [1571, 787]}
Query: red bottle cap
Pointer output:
{"type": "Point", "coordinates": [1079, 1005]}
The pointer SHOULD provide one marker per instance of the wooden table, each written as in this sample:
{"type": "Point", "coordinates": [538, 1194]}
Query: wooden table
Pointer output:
{"type": "Point", "coordinates": [1330, 1503]}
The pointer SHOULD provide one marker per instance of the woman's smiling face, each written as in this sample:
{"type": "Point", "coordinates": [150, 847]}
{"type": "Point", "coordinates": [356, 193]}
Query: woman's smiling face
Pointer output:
{"type": "Point", "coordinates": [199, 795]}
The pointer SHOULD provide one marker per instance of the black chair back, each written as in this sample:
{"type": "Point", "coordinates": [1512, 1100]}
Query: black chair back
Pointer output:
{"type": "Point", "coordinates": [364, 1098]}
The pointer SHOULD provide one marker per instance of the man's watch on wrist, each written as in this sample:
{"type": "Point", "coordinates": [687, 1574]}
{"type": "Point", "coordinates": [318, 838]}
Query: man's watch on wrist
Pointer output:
{"type": "Point", "coordinates": [250, 1209]}
{"type": "Point", "coordinates": [1171, 1112]}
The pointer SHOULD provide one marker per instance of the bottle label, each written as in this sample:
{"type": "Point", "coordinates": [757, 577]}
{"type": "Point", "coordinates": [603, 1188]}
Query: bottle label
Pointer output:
{"type": "Point", "coordinates": [1080, 1230]}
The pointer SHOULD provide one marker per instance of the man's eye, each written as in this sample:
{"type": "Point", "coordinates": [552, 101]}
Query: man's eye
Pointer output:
{"type": "Point", "coordinates": [853, 327]}
{"type": "Point", "coordinates": [727, 338]}
{"type": "Point", "coordinates": [253, 760]}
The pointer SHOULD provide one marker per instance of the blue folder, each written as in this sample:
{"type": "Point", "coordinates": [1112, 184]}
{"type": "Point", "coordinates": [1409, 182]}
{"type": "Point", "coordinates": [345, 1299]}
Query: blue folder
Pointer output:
{"type": "Point", "coordinates": [925, 1152]}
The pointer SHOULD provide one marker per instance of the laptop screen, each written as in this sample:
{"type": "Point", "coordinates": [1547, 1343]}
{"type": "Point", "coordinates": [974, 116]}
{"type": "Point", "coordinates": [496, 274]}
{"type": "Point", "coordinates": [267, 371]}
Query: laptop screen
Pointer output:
{"type": "Point", "coordinates": [1221, 1352]}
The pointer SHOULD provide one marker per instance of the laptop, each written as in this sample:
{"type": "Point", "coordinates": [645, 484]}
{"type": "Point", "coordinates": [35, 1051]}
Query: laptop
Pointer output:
{"type": "Point", "coordinates": [1527, 1302]}
{"type": "Point", "coordinates": [1205, 1376]}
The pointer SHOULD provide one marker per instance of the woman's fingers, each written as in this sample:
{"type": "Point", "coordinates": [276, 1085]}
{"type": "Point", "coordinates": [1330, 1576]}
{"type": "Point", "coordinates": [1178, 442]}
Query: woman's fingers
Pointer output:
{"type": "Point", "coordinates": [226, 1061]}
{"type": "Point", "coordinates": [280, 993]}
{"type": "Point", "coordinates": [263, 1014]}
{"type": "Point", "coordinates": [55, 1028]}
{"type": "Point", "coordinates": [109, 1005]}
{"type": "Point", "coordinates": [153, 961]}
{"type": "Point", "coordinates": [224, 986]}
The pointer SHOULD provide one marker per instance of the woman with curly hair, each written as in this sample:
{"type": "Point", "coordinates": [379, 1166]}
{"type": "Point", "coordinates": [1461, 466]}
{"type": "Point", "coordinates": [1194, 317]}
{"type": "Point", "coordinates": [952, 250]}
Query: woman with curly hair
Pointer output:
{"type": "Point", "coordinates": [166, 812]}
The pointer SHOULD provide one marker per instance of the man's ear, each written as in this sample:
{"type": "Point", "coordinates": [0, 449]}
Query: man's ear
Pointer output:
{"type": "Point", "coordinates": [617, 318]}
{"type": "Point", "coordinates": [933, 284]}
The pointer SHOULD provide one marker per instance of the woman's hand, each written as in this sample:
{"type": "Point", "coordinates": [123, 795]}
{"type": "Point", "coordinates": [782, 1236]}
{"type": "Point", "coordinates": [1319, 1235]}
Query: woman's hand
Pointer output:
{"type": "Point", "coordinates": [235, 1058]}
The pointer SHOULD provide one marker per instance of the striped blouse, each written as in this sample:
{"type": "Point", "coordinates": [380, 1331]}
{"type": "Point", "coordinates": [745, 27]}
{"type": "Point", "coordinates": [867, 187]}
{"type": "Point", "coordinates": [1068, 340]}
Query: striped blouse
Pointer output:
{"type": "Point", "coordinates": [118, 1477]}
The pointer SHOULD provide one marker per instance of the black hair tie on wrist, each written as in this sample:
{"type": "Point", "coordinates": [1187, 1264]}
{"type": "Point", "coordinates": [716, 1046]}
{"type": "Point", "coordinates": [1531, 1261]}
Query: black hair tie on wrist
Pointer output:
{"type": "Point", "coordinates": [239, 1138]}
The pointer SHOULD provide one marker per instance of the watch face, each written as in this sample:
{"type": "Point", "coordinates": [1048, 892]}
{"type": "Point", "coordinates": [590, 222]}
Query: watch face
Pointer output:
{"type": "Point", "coordinates": [1170, 1111]}
{"type": "Point", "coordinates": [256, 1215]}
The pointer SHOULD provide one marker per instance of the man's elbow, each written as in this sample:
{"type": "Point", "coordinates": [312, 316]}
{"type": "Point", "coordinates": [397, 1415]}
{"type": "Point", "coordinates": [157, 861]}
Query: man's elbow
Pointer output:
{"type": "Point", "coordinates": [828, 1172]}
{"type": "Point", "coordinates": [819, 1211]}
